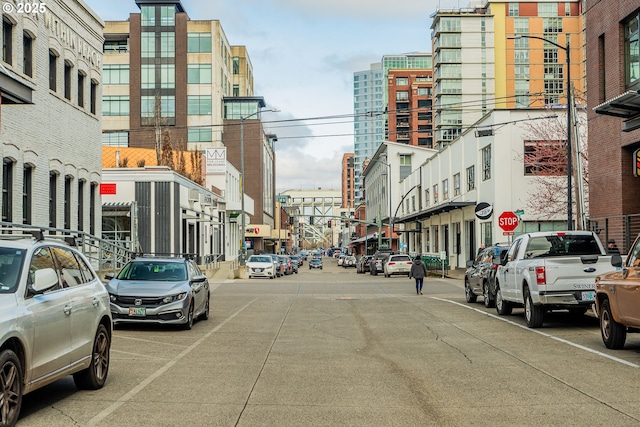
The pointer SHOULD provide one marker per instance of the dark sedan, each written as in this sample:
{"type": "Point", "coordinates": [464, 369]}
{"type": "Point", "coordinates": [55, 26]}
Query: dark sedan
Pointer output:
{"type": "Point", "coordinates": [315, 263]}
{"type": "Point", "coordinates": [479, 279]}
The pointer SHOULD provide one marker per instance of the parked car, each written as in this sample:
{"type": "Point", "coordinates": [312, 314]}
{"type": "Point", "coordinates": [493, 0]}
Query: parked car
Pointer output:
{"type": "Point", "coordinates": [397, 264]}
{"type": "Point", "coordinates": [362, 265]}
{"type": "Point", "coordinates": [165, 290]}
{"type": "Point", "coordinates": [618, 300]}
{"type": "Point", "coordinates": [341, 258]}
{"type": "Point", "coordinates": [349, 261]}
{"type": "Point", "coordinates": [261, 266]}
{"type": "Point", "coordinates": [297, 258]}
{"type": "Point", "coordinates": [480, 277]}
{"type": "Point", "coordinates": [294, 264]}
{"type": "Point", "coordinates": [285, 261]}
{"type": "Point", "coordinates": [279, 267]}
{"type": "Point", "coordinates": [376, 265]}
{"type": "Point", "coordinates": [54, 321]}
{"type": "Point", "coordinates": [315, 263]}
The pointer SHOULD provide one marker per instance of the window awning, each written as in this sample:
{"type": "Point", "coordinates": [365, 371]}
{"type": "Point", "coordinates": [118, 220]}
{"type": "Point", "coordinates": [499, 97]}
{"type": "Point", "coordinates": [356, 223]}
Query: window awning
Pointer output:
{"type": "Point", "coordinates": [14, 91]}
{"type": "Point", "coordinates": [626, 106]}
{"type": "Point", "coordinates": [435, 210]}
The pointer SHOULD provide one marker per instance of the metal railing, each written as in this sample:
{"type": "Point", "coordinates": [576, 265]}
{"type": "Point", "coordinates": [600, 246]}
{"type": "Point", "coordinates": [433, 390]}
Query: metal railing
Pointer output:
{"type": "Point", "coordinates": [623, 229]}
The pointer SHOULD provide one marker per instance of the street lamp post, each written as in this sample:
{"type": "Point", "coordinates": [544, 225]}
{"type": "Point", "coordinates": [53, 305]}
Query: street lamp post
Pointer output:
{"type": "Point", "coordinates": [567, 51]}
{"type": "Point", "coordinates": [242, 212]}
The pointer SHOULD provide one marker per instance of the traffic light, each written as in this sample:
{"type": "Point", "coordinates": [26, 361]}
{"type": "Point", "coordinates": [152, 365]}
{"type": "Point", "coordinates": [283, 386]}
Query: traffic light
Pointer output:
{"type": "Point", "coordinates": [329, 223]}
{"type": "Point", "coordinates": [346, 223]}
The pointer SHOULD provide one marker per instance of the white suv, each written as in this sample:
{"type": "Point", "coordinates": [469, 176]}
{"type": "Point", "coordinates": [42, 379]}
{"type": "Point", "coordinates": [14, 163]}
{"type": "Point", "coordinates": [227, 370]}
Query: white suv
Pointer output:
{"type": "Point", "coordinates": [397, 264]}
{"type": "Point", "coordinates": [54, 321]}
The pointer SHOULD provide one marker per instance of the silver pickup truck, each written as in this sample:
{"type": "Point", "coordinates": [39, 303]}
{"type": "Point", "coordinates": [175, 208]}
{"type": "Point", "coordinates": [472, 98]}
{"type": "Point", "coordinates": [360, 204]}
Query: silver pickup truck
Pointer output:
{"type": "Point", "coordinates": [550, 271]}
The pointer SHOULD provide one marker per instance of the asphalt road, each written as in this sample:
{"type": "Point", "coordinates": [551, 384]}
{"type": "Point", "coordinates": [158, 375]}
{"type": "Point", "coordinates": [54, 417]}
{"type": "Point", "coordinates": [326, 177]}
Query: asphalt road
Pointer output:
{"type": "Point", "coordinates": [334, 348]}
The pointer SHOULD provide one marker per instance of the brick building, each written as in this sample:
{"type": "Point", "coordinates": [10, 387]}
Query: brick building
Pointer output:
{"type": "Point", "coordinates": [409, 109]}
{"type": "Point", "coordinates": [612, 37]}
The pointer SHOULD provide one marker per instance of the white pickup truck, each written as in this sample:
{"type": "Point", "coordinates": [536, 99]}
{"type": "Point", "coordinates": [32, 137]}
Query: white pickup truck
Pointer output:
{"type": "Point", "coordinates": [550, 271]}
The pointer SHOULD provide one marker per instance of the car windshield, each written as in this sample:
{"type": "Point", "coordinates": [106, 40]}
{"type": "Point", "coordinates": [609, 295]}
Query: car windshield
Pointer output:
{"type": "Point", "coordinates": [153, 271]}
{"type": "Point", "coordinates": [11, 261]}
{"type": "Point", "coordinates": [259, 259]}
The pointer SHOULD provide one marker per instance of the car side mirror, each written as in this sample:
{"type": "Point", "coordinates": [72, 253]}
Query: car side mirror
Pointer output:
{"type": "Point", "coordinates": [44, 279]}
{"type": "Point", "coordinates": [616, 260]}
{"type": "Point", "coordinates": [109, 276]}
{"type": "Point", "coordinates": [470, 263]}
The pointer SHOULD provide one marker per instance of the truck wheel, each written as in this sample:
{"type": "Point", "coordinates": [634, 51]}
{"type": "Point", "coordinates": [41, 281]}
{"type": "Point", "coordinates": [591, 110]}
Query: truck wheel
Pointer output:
{"type": "Point", "coordinates": [468, 293]}
{"type": "Point", "coordinates": [613, 333]}
{"type": "Point", "coordinates": [503, 307]}
{"type": "Point", "coordinates": [533, 314]}
{"type": "Point", "coordinates": [488, 300]}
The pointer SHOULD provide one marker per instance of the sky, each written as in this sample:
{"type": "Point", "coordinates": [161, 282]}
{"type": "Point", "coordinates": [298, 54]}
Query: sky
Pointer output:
{"type": "Point", "coordinates": [304, 54]}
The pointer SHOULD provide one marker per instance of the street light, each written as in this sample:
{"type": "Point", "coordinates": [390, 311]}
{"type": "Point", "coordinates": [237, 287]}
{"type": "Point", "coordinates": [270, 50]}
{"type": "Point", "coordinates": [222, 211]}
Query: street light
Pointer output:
{"type": "Point", "coordinates": [242, 213]}
{"type": "Point", "coordinates": [567, 51]}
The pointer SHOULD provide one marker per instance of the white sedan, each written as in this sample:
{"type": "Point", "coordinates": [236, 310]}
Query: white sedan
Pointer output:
{"type": "Point", "coordinates": [260, 266]}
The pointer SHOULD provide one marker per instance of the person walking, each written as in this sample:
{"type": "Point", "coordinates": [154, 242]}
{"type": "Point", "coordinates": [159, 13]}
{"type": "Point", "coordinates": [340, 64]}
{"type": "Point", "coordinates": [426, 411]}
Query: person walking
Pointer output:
{"type": "Point", "coordinates": [418, 272]}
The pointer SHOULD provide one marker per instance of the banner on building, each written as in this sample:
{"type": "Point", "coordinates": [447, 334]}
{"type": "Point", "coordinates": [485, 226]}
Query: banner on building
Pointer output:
{"type": "Point", "coordinates": [216, 161]}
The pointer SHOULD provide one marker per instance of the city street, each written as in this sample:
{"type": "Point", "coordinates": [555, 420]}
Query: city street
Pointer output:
{"type": "Point", "coordinates": [332, 347]}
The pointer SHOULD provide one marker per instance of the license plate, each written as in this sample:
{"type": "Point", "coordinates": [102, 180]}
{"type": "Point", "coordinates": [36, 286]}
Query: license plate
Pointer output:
{"type": "Point", "coordinates": [258, 270]}
{"type": "Point", "coordinates": [588, 296]}
{"type": "Point", "coordinates": [138, 311]}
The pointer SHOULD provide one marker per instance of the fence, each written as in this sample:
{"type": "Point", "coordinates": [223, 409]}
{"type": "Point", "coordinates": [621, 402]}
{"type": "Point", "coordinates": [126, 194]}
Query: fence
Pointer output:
{"type": "Point", "coordinates": [623, 229]}
{"type": "Point", "coordinates": [434, 263]}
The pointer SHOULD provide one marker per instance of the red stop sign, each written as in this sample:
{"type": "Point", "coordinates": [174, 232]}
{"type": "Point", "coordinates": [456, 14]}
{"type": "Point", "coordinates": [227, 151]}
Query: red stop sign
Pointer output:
{"type": "Point", "coordinates": [508, 221]}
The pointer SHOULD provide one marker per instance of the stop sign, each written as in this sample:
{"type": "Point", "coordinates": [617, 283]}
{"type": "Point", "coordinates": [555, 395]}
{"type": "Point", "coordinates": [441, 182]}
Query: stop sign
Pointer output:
{"type": "Point", "coordinates": [508, 221]}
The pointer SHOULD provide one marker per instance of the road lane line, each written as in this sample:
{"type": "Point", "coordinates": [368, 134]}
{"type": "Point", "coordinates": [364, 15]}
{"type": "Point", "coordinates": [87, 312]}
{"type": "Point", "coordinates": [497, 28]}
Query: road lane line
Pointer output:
{"type": "Point", "coordinates": [526, 328]}
{"type": "Point", "coordinates": [134, 391]}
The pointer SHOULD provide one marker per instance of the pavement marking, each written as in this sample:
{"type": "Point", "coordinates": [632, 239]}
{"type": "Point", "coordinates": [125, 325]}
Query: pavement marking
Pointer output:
{"type": "Point", "coordinates": [134, 391]}
{"type": "Point", "coordinates": [526, 328]}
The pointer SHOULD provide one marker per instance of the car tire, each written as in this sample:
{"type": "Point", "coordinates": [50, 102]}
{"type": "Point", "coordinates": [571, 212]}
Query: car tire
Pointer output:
{"type": "Point", "coordinates": [504, 308]}
{"type": "Point", "coordinates": [489, 302]}
{"type": "Point", "coordinates": [533, 314]}
{"type": "Point", "coordinates": [205, 313]}
{"type": "Point", "coordinates": [613, 333]}
{"type": "Point", "coordinates": [189, 323]}
{"type": "Point", "coordinates": [11, 372]}
{"type": "Point", "coordinates": [468, 293]}
{"type": "Point", "coordinates": [95, 375]}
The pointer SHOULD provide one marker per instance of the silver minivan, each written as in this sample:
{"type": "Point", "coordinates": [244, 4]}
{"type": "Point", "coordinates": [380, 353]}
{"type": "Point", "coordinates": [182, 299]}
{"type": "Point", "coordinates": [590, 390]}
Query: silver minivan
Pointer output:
{"type": "Point", "coordinates": [54, 321]}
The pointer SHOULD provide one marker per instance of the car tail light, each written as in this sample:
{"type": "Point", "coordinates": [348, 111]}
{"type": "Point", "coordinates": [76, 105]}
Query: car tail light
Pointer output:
{"type": "Point", "coordinates": [409, 262]}
{"type": "Point", "coordinates": [391, 263]}
{"type": "Point", "coordinates": [541, 276]}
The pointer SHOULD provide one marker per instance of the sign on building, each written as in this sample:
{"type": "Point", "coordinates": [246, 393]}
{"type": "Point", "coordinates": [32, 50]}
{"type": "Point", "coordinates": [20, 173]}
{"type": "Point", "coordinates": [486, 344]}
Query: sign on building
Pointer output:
{"type": "Point", "coordinates": [216, 163]}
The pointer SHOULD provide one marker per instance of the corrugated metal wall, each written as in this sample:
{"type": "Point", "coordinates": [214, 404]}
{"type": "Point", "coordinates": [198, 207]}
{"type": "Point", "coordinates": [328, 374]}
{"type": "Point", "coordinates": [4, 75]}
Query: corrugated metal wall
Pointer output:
{"type": "Point", "coordinates": [163, 211]}
{"type": "Point", "coordinates": [143, 198]}
{"type": "Point", "coordinates": [177, 212]}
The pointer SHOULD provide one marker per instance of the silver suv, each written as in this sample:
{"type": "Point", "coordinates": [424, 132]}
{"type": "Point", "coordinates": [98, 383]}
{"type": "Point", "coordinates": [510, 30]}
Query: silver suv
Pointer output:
{"type": "Point", "coordinates": [54, 321]}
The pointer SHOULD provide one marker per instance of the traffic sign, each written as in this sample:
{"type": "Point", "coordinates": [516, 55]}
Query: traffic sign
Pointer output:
{"type": "Point", "coordinates": [508, 221]}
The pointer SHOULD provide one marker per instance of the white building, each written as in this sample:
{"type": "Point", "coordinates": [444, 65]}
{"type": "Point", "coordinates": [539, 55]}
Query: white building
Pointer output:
{"type": "Point", "coordinates": [485, 165]}
{"type": "Point", "coordinates": [51, 149]}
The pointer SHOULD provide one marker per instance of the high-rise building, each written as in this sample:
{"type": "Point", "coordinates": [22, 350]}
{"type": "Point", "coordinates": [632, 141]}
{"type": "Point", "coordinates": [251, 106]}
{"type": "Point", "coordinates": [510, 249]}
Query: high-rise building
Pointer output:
{"type": "Point", "coordinates": [490, 55]}
{"type": "Point", "coordinates": [409, 116]}
{"type": "Point", "coordinates": [348, 190]}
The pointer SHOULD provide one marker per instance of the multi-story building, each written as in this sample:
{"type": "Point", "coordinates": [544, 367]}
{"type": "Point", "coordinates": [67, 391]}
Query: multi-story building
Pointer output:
{"type": "Point", "coordinates": [409, 116]}
{"type": "Point", "coordinates": [167, 73]}
{"type": "Point", "coordinates": [612, 39]}
{"type": "Point", "coordinates": [348, 182]}
{"type": "Point", "coordinates": [51, 60]}
{"type": "Point", "coordinates": [490, 55]}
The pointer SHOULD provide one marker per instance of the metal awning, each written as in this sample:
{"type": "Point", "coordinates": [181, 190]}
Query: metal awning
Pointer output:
{"type": "Point", "coordinates": [626, 106]}
{"type": "Point", "coordinates": [371, 236]}
{"type": "Point", "coordinates": [435, 210]}
{"type": "Point", "coordinates": [14, 91]}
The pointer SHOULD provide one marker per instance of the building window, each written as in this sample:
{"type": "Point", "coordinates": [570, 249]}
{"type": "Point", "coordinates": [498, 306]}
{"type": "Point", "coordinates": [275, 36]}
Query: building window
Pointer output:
{"type": "Point", "coordinates": [167, 76]}
{"type": "Point", "coordinates": [236, 90]}
{"type": "Point", "coordinates": [166, 106]}
{"type": "Point", "coordinates": [199, 74]}
{"type": "Point", "coordinates": [27, 190]}
{"type": "Point", "coordinates": [67, 80]}
{"type": "Point", "coordinates": [7, 190]}
{"type": "Point", "coordinates": [115, 139]}
{"type": "Point", "coordinates": [81, 204]}
{"type": "Point", "coordinates": [168, 16]}
{"type": "Point", "coordinates": [53, 199]}
{"type": "Point", "coordinates": [92, 208]}
{"type": "Point", "coordinates": [81, 89]}
{"type": "Point", "coordinates": [236, 65]}
{"type": "Point", "coordinates": [486, 163]}
{"type": "Point", "coordinates": [545, 158]}
{"type": "Point", "coordinates": [199, 105]}
{"type": "Point", "coordinates": [167, 45]}
{"type": "Point", "coordinates": [422, 91]}
{"type": "Point", "coordinates": [514, 9]}
{"type": "Point", "coordinates": [148, 45]}
{"type": "Point", "coordinates": [115, 74]}
{"type": "Point", "coordinates": [27, 54]}
{"type": "Point", "coordinates": [402, 81]}
{"type": "Point", "coordinates": [471, 178]}
{"type": "Point", "coordinates": [148, 76]}
{"type": "Point", "coordinates": [548, 9]}
{"type": "Point", "coordinates": [115, 106]}
{"type": "Point", "coordinates": [7, 40]}
{"type": "Point", "coordinates": [94, 96]}
{"type": "Point", "coordinates": [456, 185]}
{"type": "Point", "coordinates": [445, 189]}
{"type": "Point", "coordinates": [402, 95]}
{"type": "Point", "coordinates": [435, 194]}
{"type": "Point", "coordinates": [148, 16]}
{"type": "Point", "coordinates": [199, 42]}
{"type": "Point", "coordinates": [67, 201]}
{"type": "Point", "coordinates": [200, 135]}
{"type": "Point", "coordinates": [53, 69]}
{"type": "Point", "coordinates": [426, 197]}
{"type": "Point", "coordinates": [632, 51]}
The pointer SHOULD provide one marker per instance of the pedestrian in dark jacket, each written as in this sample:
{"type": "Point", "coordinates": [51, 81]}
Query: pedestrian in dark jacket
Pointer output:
{"type": "Point", "coordinates": [418, 272]}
